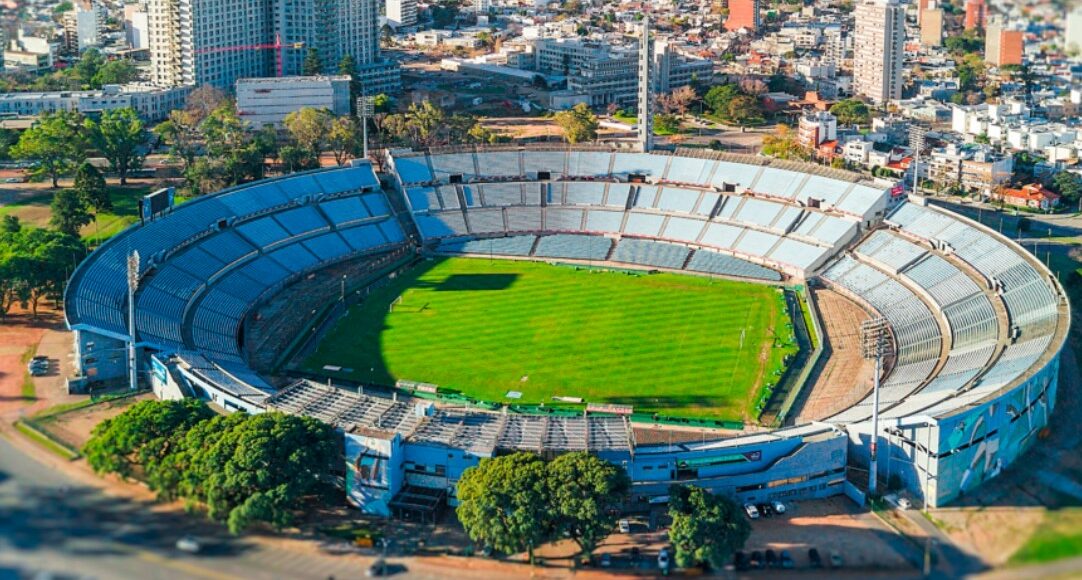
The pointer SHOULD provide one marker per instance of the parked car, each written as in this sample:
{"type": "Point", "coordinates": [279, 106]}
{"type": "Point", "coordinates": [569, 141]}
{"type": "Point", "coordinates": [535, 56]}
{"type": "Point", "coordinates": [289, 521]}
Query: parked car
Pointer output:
{"type": "Point", "coordinates": [786, 560]}
{"type": "Point", "coordinates": [189, 544]}
{"type": "Point", "coordinates": [378, 568]}
{"type": "Point", "coordinates": [814, 558]}
{"type": "Point", "coordinates": [752, 512]}
{"type": "Point", "coordinates": [625, 527]}
{"type": "Point", "coordinates": [740, 561]}
{"type": "Point", "coordinates": [836, 560]}
{"type": "Point", "coordinates": [606, 560]}
{"type": "Point", "coordinates": [756, 559]}
{"type": "Point", "coordinates": [765, 510]}
{"type": "Point", "coordinates": [778, 506]}
{"type": "Point", "coordinates": [904, 503]}
{"type": "Point", "coordinates": [663, 559]}
{"type": "Point", "coordinates": [771, 559]}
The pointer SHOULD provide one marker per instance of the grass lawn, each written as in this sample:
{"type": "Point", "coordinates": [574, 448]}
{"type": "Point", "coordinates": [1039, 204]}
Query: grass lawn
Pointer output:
{"type": "Point", "coordinates": [34, 211]}
{"type": "Point", "coordinates": [682, 345]}
{"type": "Point", "coordinates": [1059, 536]}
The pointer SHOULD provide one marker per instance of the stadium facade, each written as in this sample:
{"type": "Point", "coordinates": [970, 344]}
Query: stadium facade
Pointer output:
{"type": "Point", "coordinates": [976, 323]}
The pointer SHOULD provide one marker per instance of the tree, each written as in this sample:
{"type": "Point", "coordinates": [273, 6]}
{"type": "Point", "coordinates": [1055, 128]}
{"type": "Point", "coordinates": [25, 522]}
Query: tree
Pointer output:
{"type": "Point", "coordinates": [783, 144]}
{"type": "Point", "coordinates": [851, 112]}
{"type": "Point", "coordinates": [34, 263]}
{"type": "Point", "coordinates": [706, 528]}
{"type": "Point", "coordinates": [181, 132]}
{"type": "Point", "coordinates": [745, 110]}
{"type": "Point", "coordinates": [1069, 185]}
{"type": "Point", "coordinates": [719, 96]}
{"type": "Point", "coordinates": [114, 72]}
{"type": "Point", "coordinates": [309, 128]}
{"type": "Point", "coordinates": [53, 145]}
{"type": "Point", "coordinates": [342, 138]}
{"type": "Point", "coordinates": [254, 468]}
{"type": "Point", "coordinates": [579, 123]}
{"type": "Point", "coordinates": [348, 67]}
{"type": "Point", "coordinates": [90, 185]}
{"type": "Point", "coordinates": [69, 212]}
{"type": "Point", "coordinates": [87, 67]}
{"type": "Point", "coordinates": [121, 137]}
{"type": "Point", "coordinates": [10, 224]}
{"type": "Point", "coordinates": [585, 492]}
{"type": "Point", "coordinates": [203, 101]}
{"type": "Point", "coordinates": [502, 503]}
{"type": "Point", "coordinates": [140, 440]}
{"type": "Point", "coordinates": [312, 65]}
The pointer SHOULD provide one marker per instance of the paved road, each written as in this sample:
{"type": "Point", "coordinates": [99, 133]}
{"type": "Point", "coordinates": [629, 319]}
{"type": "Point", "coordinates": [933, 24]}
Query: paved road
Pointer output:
{"type": "Point", "coordinates": [51, 522]}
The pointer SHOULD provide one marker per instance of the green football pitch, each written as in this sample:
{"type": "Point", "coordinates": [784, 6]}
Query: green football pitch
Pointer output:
{"type": "Point", "coordinates": [679, 345]}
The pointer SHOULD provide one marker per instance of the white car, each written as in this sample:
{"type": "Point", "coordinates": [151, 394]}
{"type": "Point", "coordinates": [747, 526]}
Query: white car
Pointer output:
{"type": "Point", "coordinates": [625, 527]}
{"type": "Point", "coordinates": [778, 506]}
{"type": "Point", "coordinates": [189, 544]}
{"type": "Point", "coordinates": [752, 511]}
{"type": "Point", "coordinates": [904, 503]}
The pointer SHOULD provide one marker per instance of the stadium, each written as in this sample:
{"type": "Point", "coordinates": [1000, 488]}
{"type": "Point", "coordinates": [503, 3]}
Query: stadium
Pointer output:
{"type": "Point", "coordinates": [694, 316]}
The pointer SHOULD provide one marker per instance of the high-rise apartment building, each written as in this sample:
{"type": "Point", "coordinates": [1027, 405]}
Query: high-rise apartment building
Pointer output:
{"type": "Point", "coordinates": [1002, 46]}
{"type": "Point", "coordinates": [976, 12]}
{"type": "Point", "coordinates": [878, 45]}
{"type": "Point", "coordinates": [402, 12]}
{"type": "Point", "coordinates": [931, 27]}
{"type": "Point", "coordinates": [1072, 37]}
{"type": "Point", "coordinates": [743, 14]}
{"type": "Point", "coordinates": [216, 42]}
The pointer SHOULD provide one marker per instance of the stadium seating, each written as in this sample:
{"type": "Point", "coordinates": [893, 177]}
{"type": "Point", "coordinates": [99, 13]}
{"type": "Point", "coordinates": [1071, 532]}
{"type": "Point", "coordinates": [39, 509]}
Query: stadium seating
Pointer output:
{"type": "Point", "coordinates": [650, 253]}
{"type": "Point", "coordinates": [509, 246]}
{"type": "Point", "coordinates": [573, 247]}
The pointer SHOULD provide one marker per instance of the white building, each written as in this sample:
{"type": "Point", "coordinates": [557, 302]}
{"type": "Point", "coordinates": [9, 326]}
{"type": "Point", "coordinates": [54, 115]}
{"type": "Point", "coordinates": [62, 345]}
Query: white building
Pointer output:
{"type": "Point", "coordinates": [1072, 37]}
{"type": "Point", "coordinates": [136, 26]}
{"type": "Point", "coordinates": [817, 127]}
{"type": "Point", "coordinates": [30, 52]}
{"type": "Point", "coordinates": [89, 23]}
{"type": "Point", "coordinates": [402, 13]}
{"type": "Point", "coordinates": [217, 42]}
{"type": "Point", "coordinates": [151, 103]}
{"type": "Point", "coordinates": [267, 101]}
{"type": "Point", "coordinates": [878, 49]}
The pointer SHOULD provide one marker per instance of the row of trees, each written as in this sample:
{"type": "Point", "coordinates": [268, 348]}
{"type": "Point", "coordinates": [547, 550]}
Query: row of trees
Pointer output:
{"type": "Point", "coordinates": [34, 264]}
{"type": "Point", "coordinates": [735, 104]}
{"type": "Point", "coordinates": [59, 142]}
{"type": "Point", "coordinates": [242, 469]}
{"type": "Point", "coordinates": [515, 503]}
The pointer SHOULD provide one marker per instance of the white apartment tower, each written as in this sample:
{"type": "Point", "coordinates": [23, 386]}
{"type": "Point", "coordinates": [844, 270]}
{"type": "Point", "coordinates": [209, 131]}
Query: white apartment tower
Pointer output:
{"type": "Point", "coordinates": [878, 49]}
{"type": "Point", "coordinates": [402, 12]}
{"type": "Point", "coordinates": [216, 42]}
{"type": "Point", "coordinates": [646, 112]}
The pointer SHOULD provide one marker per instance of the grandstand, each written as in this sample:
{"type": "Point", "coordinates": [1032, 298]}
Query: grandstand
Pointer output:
{"type": "Point", "coordinates": [976, 324]}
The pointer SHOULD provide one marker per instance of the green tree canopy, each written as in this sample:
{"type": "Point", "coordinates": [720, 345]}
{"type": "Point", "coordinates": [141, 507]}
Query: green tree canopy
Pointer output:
{"type": "Point", "coordinates": [69, 212]}
{"type": "Point", "coordinates": [249, 469]}
{"type": "Point", "coordinates": [579, 123]}
{"type": "Point", "coordinates": [585, 493]}
{"type": "Point", "coordinates": [53, 145]}
{"type": "Point", "coordinates": [745, 110]}
{"type": "Point", "coordinates": [90, 185]}
{"type": "Point", "coordinates": [114, 72]}
{"type": "Point", "coordinates": [34, 263]}
{"type": "Point", "coordinates": [142, 437]}
{"type": "Point", "coordinates": [121, 138]}
{"type": "Point", "coordinates": [706, 528]}
{"type": "Point", "coordinates": [309, 128]}
{"type": "Point", "coordinates": [312, 65]}
{"type": "Point", "coordinates": [719, 97]}
{"type": "Point", "coordinates": [851, 112]}
{"type": "Point", "coordinates": [502, 503]}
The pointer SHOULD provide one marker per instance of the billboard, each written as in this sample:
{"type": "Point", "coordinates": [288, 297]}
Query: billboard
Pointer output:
{"type": "Point", "coordinates": [157, 202]}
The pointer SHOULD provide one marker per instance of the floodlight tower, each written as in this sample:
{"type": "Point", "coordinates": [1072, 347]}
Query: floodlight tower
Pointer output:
{"type": "Point", "coordinates": [133, 285]}
{"type": "Point", "coordinates": [646, 117]}
{"type": "Point", "coordinates": [875, 343]}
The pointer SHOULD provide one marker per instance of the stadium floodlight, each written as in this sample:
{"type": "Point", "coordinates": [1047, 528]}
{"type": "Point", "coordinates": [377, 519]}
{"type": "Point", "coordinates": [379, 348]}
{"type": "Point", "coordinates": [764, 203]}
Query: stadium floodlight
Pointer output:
{"type": "Point", "coordinates": [874, 343]}
{"type": "Point", "coordinates": [133, 285]}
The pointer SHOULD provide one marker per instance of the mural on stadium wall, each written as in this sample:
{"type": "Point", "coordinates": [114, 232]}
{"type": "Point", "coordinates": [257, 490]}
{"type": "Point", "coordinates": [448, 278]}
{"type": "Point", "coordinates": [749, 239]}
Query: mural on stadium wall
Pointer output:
{"type": "Point", "coordinates": [372, 472]}
{"type": "Point", "coordinates": [977, 445]}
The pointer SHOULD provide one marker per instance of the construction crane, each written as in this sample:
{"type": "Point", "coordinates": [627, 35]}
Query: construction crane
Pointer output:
{"type": "Point", "coordinates": [277, 46]}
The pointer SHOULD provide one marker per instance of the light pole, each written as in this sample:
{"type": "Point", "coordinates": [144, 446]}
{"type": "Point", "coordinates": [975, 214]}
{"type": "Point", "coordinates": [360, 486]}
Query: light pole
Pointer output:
{"type": "Point", "coordinates": [133, 285]}
{"type": "Point", "coordinates": [875, 342]}
{"type": "Point", "coordinates": [365, 107]}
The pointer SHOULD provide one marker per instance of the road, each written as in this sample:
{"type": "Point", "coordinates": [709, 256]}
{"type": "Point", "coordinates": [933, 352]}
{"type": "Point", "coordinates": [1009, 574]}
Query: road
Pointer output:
{"type": "Point", "coordinates": [49, 522]}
